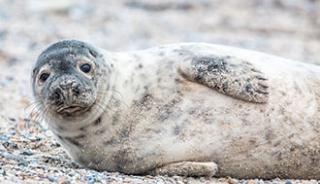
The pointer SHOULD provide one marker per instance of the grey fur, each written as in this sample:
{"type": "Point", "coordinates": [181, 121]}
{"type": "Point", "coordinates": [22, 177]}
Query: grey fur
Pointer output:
{"type": "Point", "coordinates": [66, 85]}
{"type": "Point", "coordinates": [191, 109]}
{"type": "Point", "coordinates": [228, 75]}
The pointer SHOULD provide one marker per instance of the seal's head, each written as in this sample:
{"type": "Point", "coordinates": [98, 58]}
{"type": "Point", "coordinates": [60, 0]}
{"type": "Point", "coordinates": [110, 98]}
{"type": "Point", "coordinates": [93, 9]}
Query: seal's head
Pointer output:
{"type": "Point", "coordinates": [67, 78]}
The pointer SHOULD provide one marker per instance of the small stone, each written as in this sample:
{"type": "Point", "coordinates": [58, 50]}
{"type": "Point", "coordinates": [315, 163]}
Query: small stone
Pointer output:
{"type": "Point", "coordinates": [3, 172]}
{"type": "Point", "coordinates": [23, 163]}
{"type": "Point", "coordinates": [288, 182]}
{"type": "Point", "coordinates": [4, 138]}
{"type": "Point", "coordinates": [10, 145]}
{"type": "Point", "coordinates": [91, 178]}
{"type": "Point", "coordinates": [50, 5]}
{"type": "Point", "coordinates": [35, 139]}
{"type": "Point", "coordinates": [52, 178]}
{"type": "Point", "coordinates": [27, 153]}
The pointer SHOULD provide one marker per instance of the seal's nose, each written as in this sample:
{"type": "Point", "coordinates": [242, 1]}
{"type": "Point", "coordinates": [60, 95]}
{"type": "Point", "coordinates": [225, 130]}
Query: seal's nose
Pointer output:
{"type": "Point", "coordinates": [67, 84]}
{"type": "Point", "coordinates": [70, 87]}
{"type": "Point", "coordinates": [66, 91]}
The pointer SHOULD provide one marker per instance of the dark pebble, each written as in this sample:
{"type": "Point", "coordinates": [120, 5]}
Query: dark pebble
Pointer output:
{"type": "Point", "coordinates": [91, 178]}
{"type": "Point", "coordinates": [27, 153]}
{"type": "Point", "coordinates": [23, 163]}
{"type": "Point", "coordinates": [56, 144]}
{"type": "Point", "coordinates": [26, 119]}
{"type": "Point", "coordinates": [10, 145]}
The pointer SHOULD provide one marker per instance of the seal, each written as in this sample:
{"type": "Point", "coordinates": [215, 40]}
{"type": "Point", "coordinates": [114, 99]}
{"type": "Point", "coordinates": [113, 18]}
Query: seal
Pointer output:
{"type": "Point", "coordinates": [190, 109]}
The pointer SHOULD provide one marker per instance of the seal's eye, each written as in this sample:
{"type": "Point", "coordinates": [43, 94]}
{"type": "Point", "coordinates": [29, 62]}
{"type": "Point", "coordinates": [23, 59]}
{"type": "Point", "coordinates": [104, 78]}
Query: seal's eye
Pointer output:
{"type": "Point", "coordinates": [44, 76]}
{"type": "Point", "coordinates": [85, 68]}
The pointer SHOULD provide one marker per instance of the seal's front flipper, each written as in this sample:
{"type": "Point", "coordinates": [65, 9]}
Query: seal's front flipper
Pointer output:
{"type": "Point", "coordinates": [228, 75]}
{"type": "Point", "coordinates": [187, 169]}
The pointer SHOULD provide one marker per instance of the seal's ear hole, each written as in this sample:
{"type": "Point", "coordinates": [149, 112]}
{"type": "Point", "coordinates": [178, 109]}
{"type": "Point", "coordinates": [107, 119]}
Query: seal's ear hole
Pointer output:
{"type": "Point", "coordinates": [93, 53]}
{"type": "Point", "coordinates": [34, 71]}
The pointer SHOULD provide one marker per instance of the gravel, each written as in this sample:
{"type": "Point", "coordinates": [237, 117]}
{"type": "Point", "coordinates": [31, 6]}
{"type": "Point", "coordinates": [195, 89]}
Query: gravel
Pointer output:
{"type": "Point", "coordinates": [28, 151]}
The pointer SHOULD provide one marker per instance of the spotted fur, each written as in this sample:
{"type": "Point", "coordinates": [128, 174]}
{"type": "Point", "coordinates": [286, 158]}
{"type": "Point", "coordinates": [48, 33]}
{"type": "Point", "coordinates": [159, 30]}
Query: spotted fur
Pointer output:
{"type": "Point", "coordinates": [228, 75]}
{"type": "Point", "coordinates": [191, 109]}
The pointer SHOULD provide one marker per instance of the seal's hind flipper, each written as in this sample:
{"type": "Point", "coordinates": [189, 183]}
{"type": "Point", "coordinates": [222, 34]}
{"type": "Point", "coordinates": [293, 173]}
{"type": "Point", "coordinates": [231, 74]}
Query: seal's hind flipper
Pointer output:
{"type": "Point", "coordinates": [187, 169]}
{"type": "Point", "coordinates": [228, 75]}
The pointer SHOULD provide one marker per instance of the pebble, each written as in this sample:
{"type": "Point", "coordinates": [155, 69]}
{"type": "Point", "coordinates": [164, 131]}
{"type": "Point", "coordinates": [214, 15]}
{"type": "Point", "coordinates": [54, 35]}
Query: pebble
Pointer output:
{"type": "Point", "coordinates": [4, 138]}
{"type": "Point", "coordinates": [3, 172]}
{"type": "Point", "coordinates": [91, 178]}
{"type": "Point", "coordinates": [52, 178]}
{"type": "Point", "coordinates": [288, 182]}
{"type": "Point", "coordinates": [23, 163]}
{"type": "Point", "coordinates": [27, 153]}
{"type": "Point", "coordinates": [49, 5]}
{"type": "Point", "coordinates": [10, 145]}
{"type": "Point", "coordinates": [12, 119]}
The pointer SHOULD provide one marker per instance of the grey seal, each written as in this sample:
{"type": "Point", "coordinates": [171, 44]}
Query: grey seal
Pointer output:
{"type": "Point", "coordinates": [190, 109]}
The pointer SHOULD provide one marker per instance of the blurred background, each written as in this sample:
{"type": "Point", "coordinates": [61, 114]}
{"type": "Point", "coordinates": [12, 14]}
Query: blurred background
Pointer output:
{"type": "Point", "coordinates": [287, 28]}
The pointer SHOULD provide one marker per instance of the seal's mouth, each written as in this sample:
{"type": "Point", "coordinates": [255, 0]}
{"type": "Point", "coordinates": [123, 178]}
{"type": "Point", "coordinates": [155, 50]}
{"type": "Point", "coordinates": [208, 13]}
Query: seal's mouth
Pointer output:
{"type": "Point", "coordinates": [72, 109]}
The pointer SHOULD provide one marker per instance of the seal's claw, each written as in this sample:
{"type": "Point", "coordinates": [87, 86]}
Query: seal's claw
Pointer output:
{"type": "Point", "coordinates": [228, 75]}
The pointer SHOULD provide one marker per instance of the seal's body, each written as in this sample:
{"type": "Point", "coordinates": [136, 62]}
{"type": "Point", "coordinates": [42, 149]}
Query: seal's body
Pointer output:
{"type": "Point", "coordinates": [191, 109]}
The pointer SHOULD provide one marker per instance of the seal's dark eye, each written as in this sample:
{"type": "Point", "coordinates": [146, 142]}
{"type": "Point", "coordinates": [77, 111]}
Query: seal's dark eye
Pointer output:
{"type": "Point", "coordinates": [85, 68]}
{"type": "Point", "coordinates": [44, 76]}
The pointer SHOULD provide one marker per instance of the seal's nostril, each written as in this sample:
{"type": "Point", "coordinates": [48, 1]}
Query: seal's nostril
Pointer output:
{"type": "Point", "coordinates": [56, 95]}
{"type": "Point", "coordinates": [76, 91]}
